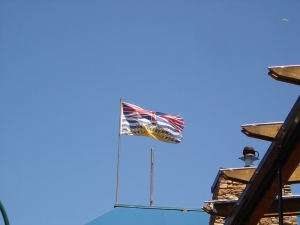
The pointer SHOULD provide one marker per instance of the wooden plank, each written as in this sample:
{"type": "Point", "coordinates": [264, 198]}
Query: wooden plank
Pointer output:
{"type": "Point", "coordinates": [264, 131]}
{"type": "Point", "coordinates": [290, 204]}
{"type": "Point", "coordinates": [245, 175]}
{"type": "Point", "coordinates": [289, 74]}
{"type": "Point", "coordinates": [291, 207]}
{"type": "Point", "coordinates": [239, 175]}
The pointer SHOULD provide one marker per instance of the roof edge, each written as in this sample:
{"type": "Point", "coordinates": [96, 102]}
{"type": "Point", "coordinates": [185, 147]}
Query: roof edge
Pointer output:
{"type": "Point", "coordinates": [158, 207]}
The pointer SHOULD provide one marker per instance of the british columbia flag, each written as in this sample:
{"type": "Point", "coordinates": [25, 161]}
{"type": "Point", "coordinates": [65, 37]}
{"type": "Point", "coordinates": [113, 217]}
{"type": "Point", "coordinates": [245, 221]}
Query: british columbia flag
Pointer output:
{"type": "Point", "coordinates": [141, 122]}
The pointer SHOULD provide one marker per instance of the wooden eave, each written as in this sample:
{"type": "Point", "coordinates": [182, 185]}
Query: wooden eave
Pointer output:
{"type": "Point", "coordinates": [245, 175]}
{"type": "Point", "coordinates": [264, 131]}
{"type": "Point", "coordinates": [290, 204]}
{"type": "Point", "coordinates": [289, 74]}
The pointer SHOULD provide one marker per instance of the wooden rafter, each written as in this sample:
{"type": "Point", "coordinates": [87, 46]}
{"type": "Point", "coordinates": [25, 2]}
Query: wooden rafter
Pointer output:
{"type": "Point", "coordinates": [289, 74]}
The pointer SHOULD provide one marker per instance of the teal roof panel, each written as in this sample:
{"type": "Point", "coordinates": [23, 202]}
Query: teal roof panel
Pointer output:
{"type": "Point", "coordinates": [136, 215]}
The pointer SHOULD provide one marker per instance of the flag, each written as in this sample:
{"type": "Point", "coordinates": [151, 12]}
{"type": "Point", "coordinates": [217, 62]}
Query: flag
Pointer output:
{"type": "Point", "coordinates": [140, 122]}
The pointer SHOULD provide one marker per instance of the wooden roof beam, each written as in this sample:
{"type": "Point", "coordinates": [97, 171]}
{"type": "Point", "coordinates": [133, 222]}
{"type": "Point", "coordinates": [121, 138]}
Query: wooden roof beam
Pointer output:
{"type": "Point", "coordinates": [245, 175]}
{"type": "Point", "coordinates": [291, 207]}
{"type": "Point", "coordinates": [289, 74]}
{"type": "Point", "coordinates": [264, 131]}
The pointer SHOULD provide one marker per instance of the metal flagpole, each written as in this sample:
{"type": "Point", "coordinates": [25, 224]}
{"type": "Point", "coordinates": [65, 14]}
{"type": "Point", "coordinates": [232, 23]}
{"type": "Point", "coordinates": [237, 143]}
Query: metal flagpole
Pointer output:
{"type": "Point", "coordinates": [151, 176]}
{"type": "Point", "coordinates": [119, 146]}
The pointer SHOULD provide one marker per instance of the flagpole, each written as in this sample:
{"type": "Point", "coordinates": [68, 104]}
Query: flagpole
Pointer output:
{"type": "Point", "coordinates": [119, 146]}
{"type": "Point", "coordinates": [151, 177]}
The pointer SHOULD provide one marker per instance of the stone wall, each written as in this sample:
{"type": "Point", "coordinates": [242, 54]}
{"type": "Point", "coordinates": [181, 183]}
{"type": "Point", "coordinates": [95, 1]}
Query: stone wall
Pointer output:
{"type": "Point", "coordinates": [228, 189]}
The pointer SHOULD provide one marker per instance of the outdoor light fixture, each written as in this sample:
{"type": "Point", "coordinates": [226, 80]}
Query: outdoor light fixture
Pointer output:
{"type": "Point", "coordinates": [249, 156]}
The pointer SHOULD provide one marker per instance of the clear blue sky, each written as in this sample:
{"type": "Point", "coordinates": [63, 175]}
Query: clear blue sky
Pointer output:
{"type": "Point", "coordinates": [66, 64]}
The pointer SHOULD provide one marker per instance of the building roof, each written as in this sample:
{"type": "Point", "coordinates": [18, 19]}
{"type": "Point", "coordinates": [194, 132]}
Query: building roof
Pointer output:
{"type": "Point", "coordinates": [146, 215]}
{"type": "Point", "coordinates": [281, 160]}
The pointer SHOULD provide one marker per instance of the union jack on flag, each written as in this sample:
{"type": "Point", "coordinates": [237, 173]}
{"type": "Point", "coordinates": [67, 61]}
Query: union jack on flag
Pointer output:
{"type": "Point", "coordinates": [141, 122]}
